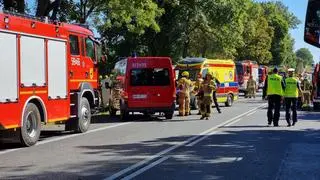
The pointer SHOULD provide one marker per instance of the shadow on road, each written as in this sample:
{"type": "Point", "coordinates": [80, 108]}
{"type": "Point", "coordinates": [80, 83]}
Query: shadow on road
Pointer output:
{"type": "Point", "coordinates": [233, 154]}
{"type": "Point", "coordinates": [247, 154]}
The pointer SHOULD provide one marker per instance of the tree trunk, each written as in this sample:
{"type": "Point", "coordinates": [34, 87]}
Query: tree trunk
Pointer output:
{"type": "Point", "coordinates": [42, 7]}
{"type": "Point", "coordinates": [20, 5]}
{"type": "Point", "coordinates": [8, 4]}
{"type": "Point", "coordinates": [185, 49]}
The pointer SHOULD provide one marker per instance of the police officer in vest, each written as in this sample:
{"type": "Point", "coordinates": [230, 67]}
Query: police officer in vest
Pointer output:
{"type": "Point", "coordinates": [274, 87]}
{"type": "Point", "coordinates": [291, 95]}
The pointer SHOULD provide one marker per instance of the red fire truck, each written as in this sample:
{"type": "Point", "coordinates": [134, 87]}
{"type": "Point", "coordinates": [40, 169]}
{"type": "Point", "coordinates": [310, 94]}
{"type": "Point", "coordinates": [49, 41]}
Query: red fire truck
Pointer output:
{"type": "Point", "coordinates": [48, 75]}
{"type": "Point", "coordinates": [245, 69]}
{"type": "Point", "coordinates": [263, 73]}
{"type": "Point", "coordinates": [316, 87]}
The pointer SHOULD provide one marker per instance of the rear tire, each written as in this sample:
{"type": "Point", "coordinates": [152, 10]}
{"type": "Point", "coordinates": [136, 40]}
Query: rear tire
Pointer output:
{"type": "Point", "coordinates": [31, 127]}
{"type": "Point", "coordinates": [229, 101]}
{"type": "Point", "coordinates": [84, 119]}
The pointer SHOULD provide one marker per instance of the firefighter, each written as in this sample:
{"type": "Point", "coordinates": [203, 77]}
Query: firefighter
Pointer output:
{"type": "Point", "coordinates": [214, 94]}
{"type": "Point", "coordinates": [306, 92]}
{"type": "Point", "coordinates": [291, 95]}
{"type": "Point", "coordinates": [274, 88]}
{"type": "Point", "coordinates": [251, 87]}
{"type": "Point", "coordinates": [207, 87]}
{"type": "Point", "coordinates": [299, 103]}
{"type": "Point", "coordinates": [116, 92]}
{"type": "Point", "coordinates": [184, 86]}
{"type": "Point", "coordinates": [196, 90]}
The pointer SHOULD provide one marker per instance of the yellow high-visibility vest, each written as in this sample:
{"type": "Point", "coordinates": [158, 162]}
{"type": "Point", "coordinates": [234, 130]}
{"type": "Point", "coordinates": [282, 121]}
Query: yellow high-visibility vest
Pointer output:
{"type": "Point", "coordinates": [274, 85]}
{"type": "Point", "coordinates": [292, 90]}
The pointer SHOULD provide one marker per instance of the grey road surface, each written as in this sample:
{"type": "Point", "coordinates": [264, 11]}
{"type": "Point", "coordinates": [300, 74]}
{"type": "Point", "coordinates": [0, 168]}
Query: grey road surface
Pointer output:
{"type": "Point", "coordinates": [236, 144]}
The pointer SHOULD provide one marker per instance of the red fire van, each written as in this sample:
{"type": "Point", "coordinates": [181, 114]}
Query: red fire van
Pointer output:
{"type": "Point", "coordinates": [148, 85]}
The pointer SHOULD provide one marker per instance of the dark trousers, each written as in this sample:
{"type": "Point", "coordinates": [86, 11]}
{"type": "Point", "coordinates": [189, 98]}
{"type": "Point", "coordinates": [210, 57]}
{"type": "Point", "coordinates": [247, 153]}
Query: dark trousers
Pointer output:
{"type": "Point", "coordinates": [215, 101]}
{"type": "Point", "coordinates": [291, 103]}
{"type": "Point", "coordinates": [274, 103]}
{"type": "Point", "coordinates": [299, 103]}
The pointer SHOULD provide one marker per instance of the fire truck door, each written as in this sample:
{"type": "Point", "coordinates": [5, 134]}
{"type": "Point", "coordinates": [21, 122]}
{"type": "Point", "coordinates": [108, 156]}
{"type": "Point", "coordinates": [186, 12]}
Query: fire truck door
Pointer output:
{"type": "Point", "coordinates": [89, 58]}
{"type": "Point", "coordinates": [76, 60]}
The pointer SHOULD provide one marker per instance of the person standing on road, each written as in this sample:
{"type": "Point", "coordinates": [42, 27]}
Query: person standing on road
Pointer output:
{"type": "Point", "coordinates": [291, 95]}
{"type": "Point", "coordinates": [214, 94]}
{"type": "Point", "coordinates": [184, 86]}
{"type": "Point", "coordinates": [207, 87]}
{"type": "Point", "coordinates": [196, 89]}
{"type": "Point", "coordinates": [274, 88]}
{"type": "Point", "coordinates": [251, 87]}
{"type": "Point", "coordinates": [306, 92]}
{"type": "Point", "coordinates": [299, 103]}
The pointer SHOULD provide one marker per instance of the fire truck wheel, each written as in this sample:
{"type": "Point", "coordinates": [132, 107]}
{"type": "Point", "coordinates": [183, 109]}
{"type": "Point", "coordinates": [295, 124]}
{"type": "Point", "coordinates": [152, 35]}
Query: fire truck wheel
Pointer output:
{"type": "Point", "coordinates": [84, 116]}
{"type": "Point", "coordinates": [31, 128]}
{"type": "Point", "coordinates": [229, 101]}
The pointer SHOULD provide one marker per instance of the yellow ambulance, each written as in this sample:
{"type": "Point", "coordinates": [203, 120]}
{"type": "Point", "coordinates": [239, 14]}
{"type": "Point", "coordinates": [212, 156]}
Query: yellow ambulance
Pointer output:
{"type": "Point", "coordinates": [223, 69]}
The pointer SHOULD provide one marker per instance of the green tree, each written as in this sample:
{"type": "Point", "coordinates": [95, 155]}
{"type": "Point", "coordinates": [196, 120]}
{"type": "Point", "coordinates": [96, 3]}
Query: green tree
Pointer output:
{"type": "Point", "coordinates": [282, 20]}
{"type": "Point", "coordinates": [305, 55]}
{"type": "Point", "coordinates": [299, 66]}
{"type": "Point", "coordinates": [220, 34]}
{"type": "Point", "coordinates": [257, 36]}
{"type": "Point", "coordinates": [287, 52]}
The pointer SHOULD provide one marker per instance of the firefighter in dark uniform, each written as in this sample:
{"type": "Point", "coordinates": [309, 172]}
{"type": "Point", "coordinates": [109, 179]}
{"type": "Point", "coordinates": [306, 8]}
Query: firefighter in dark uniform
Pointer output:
{"type": "Point", "coordinates": [291, 95]}
{"type": "Point", "coordinates": [274, 88]}
{"type": "Point", "coordinates": [214, 94]}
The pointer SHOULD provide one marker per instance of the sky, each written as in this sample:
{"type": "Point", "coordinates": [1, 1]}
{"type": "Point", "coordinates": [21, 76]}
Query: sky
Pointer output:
{"type": "Point", "coordinates": [298, 8]}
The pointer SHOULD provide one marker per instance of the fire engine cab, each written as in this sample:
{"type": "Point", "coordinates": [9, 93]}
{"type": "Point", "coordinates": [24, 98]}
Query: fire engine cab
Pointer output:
{"type": "Point", "coordinates": [316, 87]}
{"type": "Point", "coordinates": [245, 69]}
{"type": "Point", "coordinates": [48, 74]}
{"type": "Point", "coordinates": [263, 73]}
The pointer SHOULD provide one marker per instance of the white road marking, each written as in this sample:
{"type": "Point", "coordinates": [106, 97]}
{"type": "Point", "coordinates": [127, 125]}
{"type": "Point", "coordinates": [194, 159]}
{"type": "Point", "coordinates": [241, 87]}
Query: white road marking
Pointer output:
{"type": "Point", "coordinates": [201, 139]}
{"type": "Point", "coordinates": [233, 122]}
{"type": "Point", "coordinates": [66, 137]}
{"type": "Point", "coordinates": [251, 113]}
{"type": "Point", "coordinates": [75, 135]}
{"type": "Point", "coordinates": [166, 151]}
{"type": "Point", "coordinates": [142, 170]}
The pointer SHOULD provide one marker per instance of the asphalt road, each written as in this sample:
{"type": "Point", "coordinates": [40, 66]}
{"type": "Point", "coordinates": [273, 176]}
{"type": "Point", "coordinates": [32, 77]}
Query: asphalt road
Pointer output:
{"type": "Point", "coordinates": [236, 144]}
